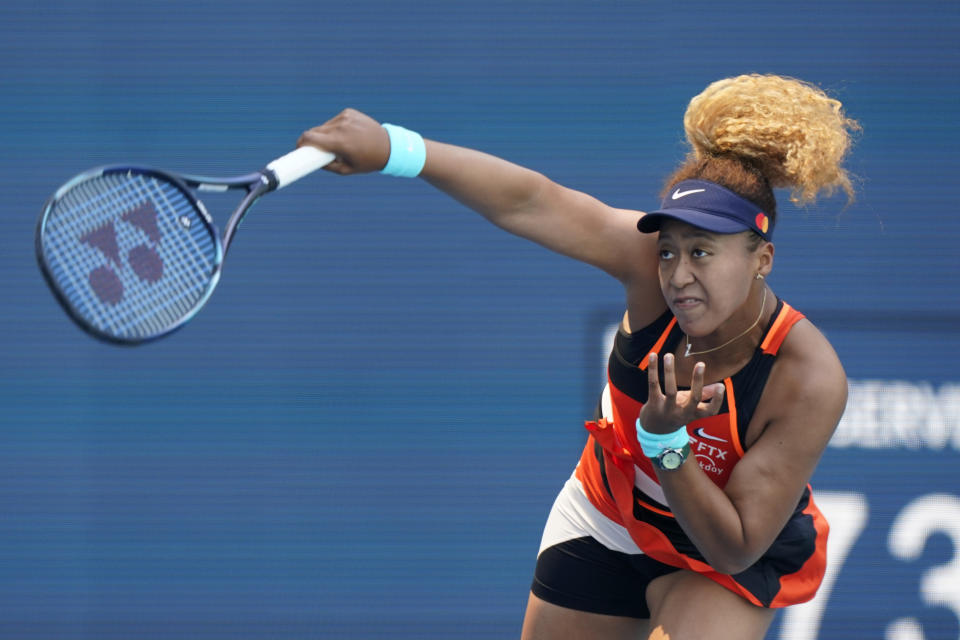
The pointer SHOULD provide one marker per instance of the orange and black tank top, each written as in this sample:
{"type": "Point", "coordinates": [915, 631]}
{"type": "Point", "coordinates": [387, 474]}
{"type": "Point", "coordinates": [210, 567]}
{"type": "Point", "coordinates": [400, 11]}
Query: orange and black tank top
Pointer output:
{"type": "Point", "coordinates": [620, 480]}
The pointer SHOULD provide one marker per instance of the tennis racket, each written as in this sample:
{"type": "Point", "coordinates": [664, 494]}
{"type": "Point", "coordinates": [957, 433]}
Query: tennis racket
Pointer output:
{"type": "Point", "coordinates": [131, 253]}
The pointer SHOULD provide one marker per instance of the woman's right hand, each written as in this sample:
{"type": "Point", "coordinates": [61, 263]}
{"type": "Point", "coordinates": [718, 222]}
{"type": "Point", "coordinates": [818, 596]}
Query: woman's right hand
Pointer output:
{"type": "Point", "coordinates": [358, 141]}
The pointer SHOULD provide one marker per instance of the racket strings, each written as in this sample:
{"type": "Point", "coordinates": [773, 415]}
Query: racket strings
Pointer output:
{"type": "Point", "coordinates": [131, 253]}
{"type": "Point", "coordinates": [85, 211]}
{"type": "Point", "coordinates": [187, 276]}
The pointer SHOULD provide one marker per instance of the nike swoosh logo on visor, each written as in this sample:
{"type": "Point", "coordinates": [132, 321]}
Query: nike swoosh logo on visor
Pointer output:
{"type": "Point", "coordinates": [702, 434]}
{"type": "Point", "coordinates": [679, 194]}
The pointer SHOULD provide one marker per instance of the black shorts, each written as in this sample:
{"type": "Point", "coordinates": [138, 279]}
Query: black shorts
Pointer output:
{"type": "Point", "coordinates": [583, 574]}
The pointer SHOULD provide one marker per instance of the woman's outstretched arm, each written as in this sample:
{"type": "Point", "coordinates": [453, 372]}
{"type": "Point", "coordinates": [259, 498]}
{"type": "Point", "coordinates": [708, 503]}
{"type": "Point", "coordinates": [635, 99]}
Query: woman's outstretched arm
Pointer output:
{"type": "Point", "coordinates": [519, 200]}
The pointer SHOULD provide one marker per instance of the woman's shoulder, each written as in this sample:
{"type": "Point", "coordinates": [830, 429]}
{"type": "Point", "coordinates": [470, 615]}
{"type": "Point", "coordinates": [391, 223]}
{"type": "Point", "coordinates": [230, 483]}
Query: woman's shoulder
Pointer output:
{"type": "Point", "coordinates": [808, 367]}
{"type": "Point", "coordinates": [806, 392]}
{"type": "Point", "coordinates": [805, 345]}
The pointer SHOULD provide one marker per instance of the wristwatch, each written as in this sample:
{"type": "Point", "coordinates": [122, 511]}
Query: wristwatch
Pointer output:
{"type": "Point", "coordinates": [671, 458]}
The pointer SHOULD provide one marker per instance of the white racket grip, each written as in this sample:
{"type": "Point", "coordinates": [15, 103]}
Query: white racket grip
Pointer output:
{"type": "Point", "coordinates": [299, 163]}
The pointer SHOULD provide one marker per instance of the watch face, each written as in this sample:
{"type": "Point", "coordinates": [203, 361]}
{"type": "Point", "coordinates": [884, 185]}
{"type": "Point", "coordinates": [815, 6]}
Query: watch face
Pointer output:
{"type": "Point", "coordinates": [671, 459]}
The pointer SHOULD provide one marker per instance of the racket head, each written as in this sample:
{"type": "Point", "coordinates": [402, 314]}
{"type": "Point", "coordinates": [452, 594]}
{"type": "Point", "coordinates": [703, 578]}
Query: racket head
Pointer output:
{"type": "Point", "coordinates": [129, 252]}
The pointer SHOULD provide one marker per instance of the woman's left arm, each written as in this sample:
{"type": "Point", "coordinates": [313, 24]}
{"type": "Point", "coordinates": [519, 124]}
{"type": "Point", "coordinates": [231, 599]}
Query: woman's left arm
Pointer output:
{"type": "Point", "coordinates": [800, 408]}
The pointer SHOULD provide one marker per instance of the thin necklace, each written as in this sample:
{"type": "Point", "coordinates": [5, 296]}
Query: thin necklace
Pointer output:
{"type": "Point", "coordinates": [763, 303]}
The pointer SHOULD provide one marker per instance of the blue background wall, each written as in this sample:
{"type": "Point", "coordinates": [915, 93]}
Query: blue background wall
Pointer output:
{"type": "Point", "coordinates": [361, 434]}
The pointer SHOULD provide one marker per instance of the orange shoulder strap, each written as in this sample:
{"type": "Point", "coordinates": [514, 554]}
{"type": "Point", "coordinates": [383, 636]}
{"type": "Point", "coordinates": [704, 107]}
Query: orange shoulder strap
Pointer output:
{"type": "Point", "coordinates": [659, 345]}
{"type": "Point", "coordinates": [787, 317]}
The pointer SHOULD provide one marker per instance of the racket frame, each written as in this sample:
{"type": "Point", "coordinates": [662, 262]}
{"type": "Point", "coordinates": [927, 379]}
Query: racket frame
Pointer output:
{"type": "Point", "coordinates": [278, 174]}
{"type": "Point", "coordinates": [255, 184]}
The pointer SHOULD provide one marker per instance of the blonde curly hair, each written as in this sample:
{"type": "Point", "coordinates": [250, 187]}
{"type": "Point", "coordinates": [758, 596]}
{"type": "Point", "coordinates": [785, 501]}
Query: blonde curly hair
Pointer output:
{"type": "Point", "coordinates": [782, 132]}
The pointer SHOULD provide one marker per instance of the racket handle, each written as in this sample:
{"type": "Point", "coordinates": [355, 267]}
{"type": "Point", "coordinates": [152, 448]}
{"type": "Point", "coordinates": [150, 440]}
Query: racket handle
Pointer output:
{"type": "Point", "coordinates": [298, 163]}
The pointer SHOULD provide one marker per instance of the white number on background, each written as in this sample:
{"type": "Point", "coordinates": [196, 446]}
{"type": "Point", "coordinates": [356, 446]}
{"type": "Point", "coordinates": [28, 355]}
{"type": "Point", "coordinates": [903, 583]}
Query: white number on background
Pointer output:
{"type": "Point", "coordinates": [940, 586]}
{"type": "Point", "coordinates": [923, 517]}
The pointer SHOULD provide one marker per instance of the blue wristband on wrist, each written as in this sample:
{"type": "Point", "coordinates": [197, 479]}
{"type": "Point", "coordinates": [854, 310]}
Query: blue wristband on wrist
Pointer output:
{"type": "Point", "coordinates": [653, 443]}
{"type": "Point", "coordinates": [407, 152]}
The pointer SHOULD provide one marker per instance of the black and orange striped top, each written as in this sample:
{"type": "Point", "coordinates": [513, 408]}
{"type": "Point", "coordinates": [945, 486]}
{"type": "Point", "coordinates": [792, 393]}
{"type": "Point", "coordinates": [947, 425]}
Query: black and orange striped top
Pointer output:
{"type": "Point", "coordinates": [620, 480]}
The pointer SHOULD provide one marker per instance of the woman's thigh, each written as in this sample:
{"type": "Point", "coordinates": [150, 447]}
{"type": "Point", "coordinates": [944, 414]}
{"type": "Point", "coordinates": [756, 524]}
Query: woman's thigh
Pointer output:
{"type": "Point", "coordinates": [687, 605]}
{"type": "Point", "coordinates": [546, 621]}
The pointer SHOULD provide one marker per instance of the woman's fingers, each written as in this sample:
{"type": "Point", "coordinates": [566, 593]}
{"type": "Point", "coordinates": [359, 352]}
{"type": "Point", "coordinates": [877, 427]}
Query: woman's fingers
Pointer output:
{"type": "Point", "coordinates": [653, 379]}
{"type": "Point", "coordinates": [358, 141]}
{"type": "Point", "coordinates": [704, 400]}
{"type": "Point", "coordinates": [669, 378]}
{"type": "Point", "coordinates": [696, 384]}
{"type": "Point", "coordinates": [666, 407]}
{"type": "Point", "coordinates": [711, 400]}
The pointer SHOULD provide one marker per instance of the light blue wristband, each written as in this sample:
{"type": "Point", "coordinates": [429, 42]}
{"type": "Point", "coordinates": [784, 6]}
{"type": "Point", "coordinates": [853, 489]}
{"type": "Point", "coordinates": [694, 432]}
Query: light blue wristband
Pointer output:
{"type": "Point", "coordinates": [653, 443]}
{"type": "Point", "coordinates": [407, 152]}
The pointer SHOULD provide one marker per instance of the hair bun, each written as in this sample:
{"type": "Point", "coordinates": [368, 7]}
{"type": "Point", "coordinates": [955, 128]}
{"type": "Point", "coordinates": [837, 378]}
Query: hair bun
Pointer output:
{"type": "Point", "coordinates": [791, 131]}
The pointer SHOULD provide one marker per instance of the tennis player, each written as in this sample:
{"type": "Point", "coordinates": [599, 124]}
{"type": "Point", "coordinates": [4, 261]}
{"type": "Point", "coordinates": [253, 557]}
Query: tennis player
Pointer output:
{"type": "Point", "coordinates": [689, 514]}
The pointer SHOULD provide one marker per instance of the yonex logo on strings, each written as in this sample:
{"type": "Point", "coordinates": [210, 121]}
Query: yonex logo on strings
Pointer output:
{"type": "Point", "coordinates": [143, 258]}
